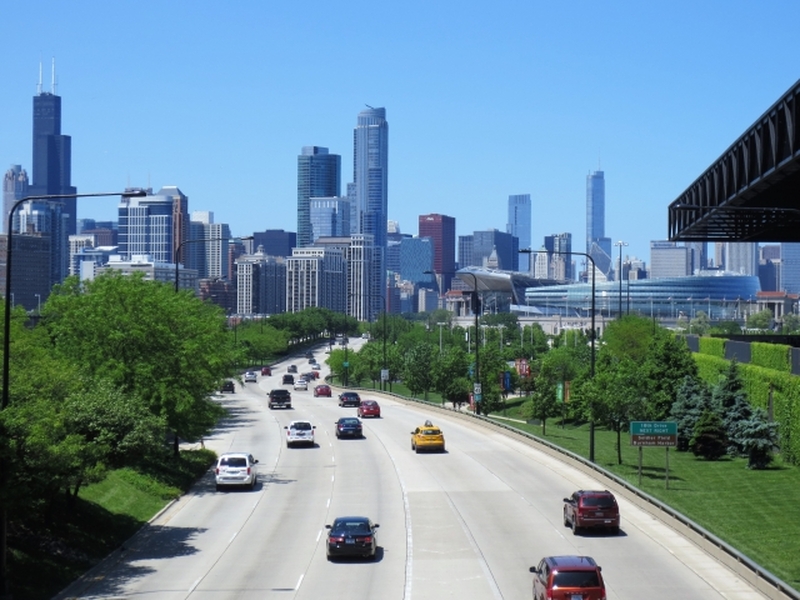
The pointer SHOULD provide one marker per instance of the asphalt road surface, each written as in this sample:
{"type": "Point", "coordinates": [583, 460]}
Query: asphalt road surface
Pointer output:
{"type": "Point", "coordinates": [466, 524]}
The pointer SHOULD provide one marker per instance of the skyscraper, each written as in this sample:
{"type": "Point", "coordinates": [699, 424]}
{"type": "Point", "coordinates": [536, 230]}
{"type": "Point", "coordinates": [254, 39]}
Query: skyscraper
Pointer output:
{"type": "Point", "coordinates": [598, 246]}
{"type": "Point", "coordinates": [519, 225]}
{"type": "Point", "coordinates": [441, 229]}
{"type": "Point", "coordinates": [318, 176]}
{"type": "Point", "coordinates": [559, 246]}
{"type": "Point", "coordinates": [369, 208]}
{"type": "Point", "coordinates": [52, 151]}
{"type": "Point", "coordinates": [146, 227]}
{"type": "Point", "coordinates": [15, 187]}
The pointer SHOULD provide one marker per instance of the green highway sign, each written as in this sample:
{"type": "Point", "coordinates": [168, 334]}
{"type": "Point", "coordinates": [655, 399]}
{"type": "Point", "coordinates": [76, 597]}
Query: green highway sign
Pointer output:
{"type": "Point", "coordinates": [654, 433]}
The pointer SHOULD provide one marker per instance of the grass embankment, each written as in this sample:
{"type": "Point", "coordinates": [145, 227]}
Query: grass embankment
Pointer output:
{"type": "Point", "coordinates": [46, 554]}
{"type": "Point", "coordinates": [753, 511]}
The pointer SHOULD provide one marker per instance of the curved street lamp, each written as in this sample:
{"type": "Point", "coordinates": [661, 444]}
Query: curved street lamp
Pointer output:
{"type": "Point", "coordinates": [4, 587]}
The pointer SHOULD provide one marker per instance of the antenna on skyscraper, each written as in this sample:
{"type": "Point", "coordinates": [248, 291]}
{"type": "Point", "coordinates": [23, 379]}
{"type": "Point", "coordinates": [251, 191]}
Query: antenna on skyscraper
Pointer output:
{"type": "Point", "coordinates": [39, 85]}
{"type": "Point", "coordinates": [53, 82]}
{"type": "Point", "coordinates": [369, 107]}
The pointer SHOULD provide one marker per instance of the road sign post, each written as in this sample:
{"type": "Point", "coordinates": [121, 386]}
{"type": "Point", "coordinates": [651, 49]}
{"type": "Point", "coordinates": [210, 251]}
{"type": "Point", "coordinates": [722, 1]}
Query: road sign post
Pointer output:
{"type": "Point", "coordinates": [654, 433]}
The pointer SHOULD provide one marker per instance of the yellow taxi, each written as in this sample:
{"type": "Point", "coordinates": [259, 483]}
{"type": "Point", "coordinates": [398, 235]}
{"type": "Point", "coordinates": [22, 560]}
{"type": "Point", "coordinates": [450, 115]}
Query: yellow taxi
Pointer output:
{"type": "Point", "coordinates": [427, 437]}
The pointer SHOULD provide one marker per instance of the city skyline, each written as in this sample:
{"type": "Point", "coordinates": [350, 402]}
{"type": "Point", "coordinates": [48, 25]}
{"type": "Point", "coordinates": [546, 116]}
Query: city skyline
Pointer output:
{"type": "Point", "coordinates": [562, 92]}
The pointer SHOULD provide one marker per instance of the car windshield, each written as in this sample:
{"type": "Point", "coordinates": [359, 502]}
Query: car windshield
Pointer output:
{"type": "Point", "coordinates": [598, 501]}
{"type": "Point", "coordinates": [233, 461]}
{"type": "Point", "coordinates": [302, 426]}
{"type": "Point", "coordinates": [575, 579]}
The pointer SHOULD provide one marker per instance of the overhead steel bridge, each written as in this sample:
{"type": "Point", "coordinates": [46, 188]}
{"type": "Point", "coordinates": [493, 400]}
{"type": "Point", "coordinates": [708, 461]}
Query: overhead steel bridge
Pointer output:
{"type": "Point", "coordinates": [752, 192]}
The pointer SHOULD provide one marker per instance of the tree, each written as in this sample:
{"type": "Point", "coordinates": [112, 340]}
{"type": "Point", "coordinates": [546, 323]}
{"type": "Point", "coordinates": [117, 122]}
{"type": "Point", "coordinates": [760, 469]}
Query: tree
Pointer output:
{"type": "Point", "coordinates": [791, 324]}
{"type": "Point", "coordinates": [708, 439]}
{"type": "Point", "coordinates": [693, 399]}
{"type": "Point", "coordinates": [450, 375]}
{"type": "Point", "coordinates": [730, 400]}
{"type": "Point", "coordinates": [761, 320]}
{"type": "Point", "coordinates": [417, 373]}
{"type": "Point", "coordinates": [168, 349]}
{"type": "Point", "coordinates": [757, 437]}
{"type": "Point", "coordinates": [668, 361]}
{"type": "Point", "coordinates": [616, 395]}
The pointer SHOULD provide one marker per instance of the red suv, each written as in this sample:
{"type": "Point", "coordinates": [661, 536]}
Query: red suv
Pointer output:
{"type": "Point", "coordinates": [591, 509]}
{"type": "Point", "coordinates": [568, 577]}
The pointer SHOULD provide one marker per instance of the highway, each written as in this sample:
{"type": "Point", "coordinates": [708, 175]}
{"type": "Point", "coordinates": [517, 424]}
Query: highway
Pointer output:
{"type": "Point", "coordinates": [466, 524]}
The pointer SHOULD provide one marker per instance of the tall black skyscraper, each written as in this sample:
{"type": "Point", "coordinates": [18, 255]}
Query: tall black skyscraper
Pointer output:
{"type": "Point", "coordinates": [52, 151]}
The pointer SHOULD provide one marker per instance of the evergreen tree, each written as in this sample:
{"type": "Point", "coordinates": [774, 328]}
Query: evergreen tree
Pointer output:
{"type": "Point", "coordinates": [692, 400]}
{"type": "Point", "coordinates": [730, 400]}
{"type": "Point", "coordinates": [709, 440]}
{"type": "Point", "coordinates": [757, 436]}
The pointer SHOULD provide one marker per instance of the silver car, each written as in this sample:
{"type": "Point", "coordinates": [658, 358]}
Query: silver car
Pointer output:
{"type": "Point", "coordinates": [250, 377]}
{"type": "Point", "coordinates": [237, 469]}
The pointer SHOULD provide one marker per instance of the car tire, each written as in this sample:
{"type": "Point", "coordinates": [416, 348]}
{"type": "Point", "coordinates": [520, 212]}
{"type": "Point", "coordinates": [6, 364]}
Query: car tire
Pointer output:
{"type": "Point", "coordinates": [566, 521]}
{"type": "Point", "coordinates": [574, 526]}
{"type": "Point", "coordinates": [615, 531]}
{"type": "Point", "coordinates": [219, 488]}
{"type": "Point", "coordinates": [416, 449]}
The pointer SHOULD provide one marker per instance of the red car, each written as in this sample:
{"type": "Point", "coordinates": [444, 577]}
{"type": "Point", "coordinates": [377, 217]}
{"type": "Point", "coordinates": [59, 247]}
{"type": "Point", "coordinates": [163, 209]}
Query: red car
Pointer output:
{"type": "Point", "coordinates": [587, 509]}
{"type": "Point", "coordinates": [322, 390]}
{"type": "Point", "coordinates": [266, 370]}
{"type": "Point", "coordinates": [369, 408]}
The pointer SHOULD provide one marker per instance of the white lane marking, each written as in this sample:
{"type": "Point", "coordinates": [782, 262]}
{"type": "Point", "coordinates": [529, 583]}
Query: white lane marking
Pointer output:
{"type": "Point", "coordinates": [299, 581]}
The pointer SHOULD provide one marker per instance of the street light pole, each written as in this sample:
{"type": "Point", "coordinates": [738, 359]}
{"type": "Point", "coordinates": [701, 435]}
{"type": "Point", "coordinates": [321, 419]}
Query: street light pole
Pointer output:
{"type": "Point", "coordinates": [593, 334]}
{"type": "Point", "coordinates": [4, 583]}
{"type": "Point", "coordinates": [477, 392]}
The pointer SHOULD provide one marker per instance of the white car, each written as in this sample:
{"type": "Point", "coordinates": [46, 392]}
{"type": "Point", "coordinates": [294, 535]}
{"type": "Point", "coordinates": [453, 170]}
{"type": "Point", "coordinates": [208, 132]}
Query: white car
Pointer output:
{"type": "Point", "coordinates": [250, 377]}
{"type": "Point", "coordinates": [301, 384]}
{"type": "Point", "coordinates": [299, 432]}
{"type": "Point", "coordinates": [235, 468]}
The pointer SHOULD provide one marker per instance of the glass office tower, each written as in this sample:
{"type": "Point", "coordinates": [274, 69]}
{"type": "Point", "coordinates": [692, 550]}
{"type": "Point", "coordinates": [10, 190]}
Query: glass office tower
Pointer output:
{"type": "Point", "coordinates": [519, 225]}
{"type": "Point", "coordinates": [318, 176]}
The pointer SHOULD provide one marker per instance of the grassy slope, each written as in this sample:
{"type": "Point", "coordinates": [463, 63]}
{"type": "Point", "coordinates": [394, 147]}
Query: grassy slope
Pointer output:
{"type": "Point", "coordinates": [753, 511]}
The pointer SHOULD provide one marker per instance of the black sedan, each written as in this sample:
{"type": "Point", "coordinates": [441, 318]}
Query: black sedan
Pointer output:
{"type": "Point", "coordinates": [349, 399]}
{"type": "Point", "coordinates": [349, 427]}
{"type": "Point", "coordinates": [352, 536]}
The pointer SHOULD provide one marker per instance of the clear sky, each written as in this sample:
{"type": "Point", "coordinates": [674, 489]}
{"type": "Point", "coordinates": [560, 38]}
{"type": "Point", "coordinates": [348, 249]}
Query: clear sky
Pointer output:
{"type": "Point", "coordinates": [483, 100]}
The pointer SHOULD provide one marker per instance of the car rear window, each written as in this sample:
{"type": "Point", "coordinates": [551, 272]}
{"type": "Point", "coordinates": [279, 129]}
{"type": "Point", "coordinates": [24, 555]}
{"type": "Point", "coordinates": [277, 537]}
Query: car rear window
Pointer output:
{"type": "Point", "coordinates": [575, 579]}
{"type": "Point", "coordinates": [233, 461]}
{"type": "Point", "coordinates": [302, 426]}
{"type": "Point", "coordinates": [599, 501]}
{"type": "Point", "coordinates": [349, 421]}
{"type": "Point", "coordinates": [431, 432]}
{"type": "Point", "coordinates": [353, 526]}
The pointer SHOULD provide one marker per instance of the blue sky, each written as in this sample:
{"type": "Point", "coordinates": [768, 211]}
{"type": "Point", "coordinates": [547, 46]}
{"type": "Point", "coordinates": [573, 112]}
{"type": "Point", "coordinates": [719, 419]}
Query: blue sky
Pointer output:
{"type": "Point", "coordinates": [482, 101]}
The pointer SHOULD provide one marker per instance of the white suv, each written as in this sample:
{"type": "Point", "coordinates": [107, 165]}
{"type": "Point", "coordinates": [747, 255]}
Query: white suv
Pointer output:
{"type": "Point", "coordinates": [235, 468]}
{"type": "Point", "coordinates": [299, 432]}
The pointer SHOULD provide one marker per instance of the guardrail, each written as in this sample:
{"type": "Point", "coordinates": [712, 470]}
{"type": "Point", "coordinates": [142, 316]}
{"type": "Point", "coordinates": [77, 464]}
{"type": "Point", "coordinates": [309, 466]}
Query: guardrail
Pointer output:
{"type": "Point", "coordinates": [757, 576]}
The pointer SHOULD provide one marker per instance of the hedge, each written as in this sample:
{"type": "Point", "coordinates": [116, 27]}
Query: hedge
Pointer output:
{"type": "Point", "coordinates": [771, 356]}
{"type": "Point", "coordinates": [759, 382]}
{"type": "Point", "coordinates": [712, 346]}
